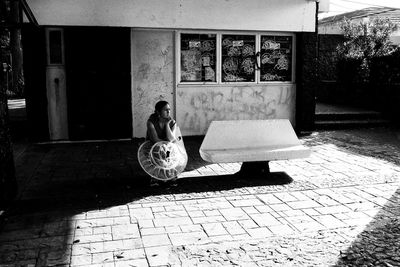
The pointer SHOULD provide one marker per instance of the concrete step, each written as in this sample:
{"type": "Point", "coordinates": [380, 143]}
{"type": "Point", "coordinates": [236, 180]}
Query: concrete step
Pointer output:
{"type": "Point", "coordinates": [348, 124]}
{"type": "Point", "coordinates": [337, 116]}
{"type": "Point", "coordinates": [348, 118]}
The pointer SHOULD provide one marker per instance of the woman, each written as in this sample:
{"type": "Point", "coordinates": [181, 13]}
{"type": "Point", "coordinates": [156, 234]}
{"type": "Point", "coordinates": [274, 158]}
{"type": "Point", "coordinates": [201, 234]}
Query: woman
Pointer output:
{"type": "Point", "coordinates": [163, 155]}
{"type": "Point", "coordinates": [160, 125]}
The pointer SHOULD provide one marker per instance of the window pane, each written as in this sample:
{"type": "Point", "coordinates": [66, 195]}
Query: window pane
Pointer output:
{"type": "Point", "coordinates": [198, 57]}
{"type": "Point", "coordinates": [238, 60]}
{"type": "Point", "coordinates": [276, 58]}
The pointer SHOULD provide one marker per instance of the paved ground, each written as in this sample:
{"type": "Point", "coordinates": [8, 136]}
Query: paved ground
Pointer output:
{"type": "Point", "coordinates": [89, 204]}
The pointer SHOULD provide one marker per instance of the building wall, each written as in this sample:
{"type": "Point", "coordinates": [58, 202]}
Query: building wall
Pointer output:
{"type": "Point", "coordinates": [195, 106]}
{"type": "Point", "coordinates": [198, 107]}
{"type": "Point", "coordinates": [152, 74]}
{"type": "Point", "coordinates": [306, 80]}
{"type": "Point", "coordinates": [274, 15]}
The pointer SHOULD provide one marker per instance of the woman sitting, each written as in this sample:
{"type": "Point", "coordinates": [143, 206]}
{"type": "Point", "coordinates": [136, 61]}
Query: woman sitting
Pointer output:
{"type": "Point", "coordinates": [160, 125]}
{"type": "Point", "coordinates": [163, 155]}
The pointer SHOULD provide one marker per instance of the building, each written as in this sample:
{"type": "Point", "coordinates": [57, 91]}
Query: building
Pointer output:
{"type": "Point", "coordinates": [331, 25]}
{"type": "Point", "coordinates": [95, 68]}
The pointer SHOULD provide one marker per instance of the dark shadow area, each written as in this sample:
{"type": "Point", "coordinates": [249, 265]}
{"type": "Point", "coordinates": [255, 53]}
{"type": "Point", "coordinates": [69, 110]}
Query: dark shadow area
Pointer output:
{"type": "Point", "coordinates": [113, 191]}
{"type": "Point", "coordinates": [378, 244]}
{"type": "Point", "coordinates": [100, 175]}
{"type": "Point", "coordinates": [60, 182]}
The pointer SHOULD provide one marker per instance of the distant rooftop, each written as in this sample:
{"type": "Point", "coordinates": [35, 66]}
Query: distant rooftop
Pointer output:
{"type": "Point", "coordinates": [371, 12]}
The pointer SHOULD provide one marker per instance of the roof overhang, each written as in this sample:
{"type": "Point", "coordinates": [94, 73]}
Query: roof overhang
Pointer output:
{"type": "Point", "coordinates": [257, 15]}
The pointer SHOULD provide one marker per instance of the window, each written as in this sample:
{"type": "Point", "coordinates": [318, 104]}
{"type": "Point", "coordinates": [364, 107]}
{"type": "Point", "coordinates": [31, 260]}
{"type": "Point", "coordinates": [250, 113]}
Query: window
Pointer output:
{"type": "Point", "coordinates": [235, 58]}
{"type": "Point", "coordinates": [198, 57]}
{"type": "Point", "coordinates": [238, 58]}
{"type": "Point", "coordinates": [276, 58]}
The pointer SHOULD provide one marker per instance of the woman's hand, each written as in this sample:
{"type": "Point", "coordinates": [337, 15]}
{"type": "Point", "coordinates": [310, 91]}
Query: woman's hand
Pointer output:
{"type": "Point", "coordinates": [170, 128]}
{"type": "Point", "coordinates": [171, 122]}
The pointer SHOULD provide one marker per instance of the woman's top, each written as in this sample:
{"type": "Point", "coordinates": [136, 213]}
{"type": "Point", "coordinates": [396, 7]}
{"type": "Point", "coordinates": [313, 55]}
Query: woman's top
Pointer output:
{"type": "Point", "coordinates": [161, 132]}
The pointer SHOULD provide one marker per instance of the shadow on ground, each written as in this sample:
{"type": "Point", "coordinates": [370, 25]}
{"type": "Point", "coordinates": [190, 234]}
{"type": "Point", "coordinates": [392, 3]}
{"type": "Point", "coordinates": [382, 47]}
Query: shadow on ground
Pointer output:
{"type": "Point", "coordinates": [378, 243]}
{"type": "Point", "coordinates": [62, 183]}
{"type": "Point", "coordinates": [100, 175]}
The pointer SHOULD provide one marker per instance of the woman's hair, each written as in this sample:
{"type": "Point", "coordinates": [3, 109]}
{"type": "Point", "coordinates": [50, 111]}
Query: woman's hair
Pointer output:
{"type": "Point", "coordinates": [160, 105]}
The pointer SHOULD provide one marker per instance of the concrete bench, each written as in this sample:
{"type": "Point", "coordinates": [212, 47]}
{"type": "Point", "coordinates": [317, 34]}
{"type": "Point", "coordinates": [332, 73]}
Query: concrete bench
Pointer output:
{"type": "Point", "coordinates": [253, 142]}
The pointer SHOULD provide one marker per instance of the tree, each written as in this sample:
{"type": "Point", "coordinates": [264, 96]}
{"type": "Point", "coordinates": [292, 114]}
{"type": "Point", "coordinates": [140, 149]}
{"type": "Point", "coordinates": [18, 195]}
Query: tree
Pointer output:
{"type": "Point", "coordinates": [8, 184]}
{"type": "Point", "coordinates": [365, 40]}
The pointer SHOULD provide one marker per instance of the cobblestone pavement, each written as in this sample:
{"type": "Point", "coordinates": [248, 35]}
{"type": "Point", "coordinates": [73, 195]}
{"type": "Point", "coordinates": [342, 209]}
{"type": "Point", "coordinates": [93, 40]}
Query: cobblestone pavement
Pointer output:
{"type": "Point", "coordinates": [89, 204]}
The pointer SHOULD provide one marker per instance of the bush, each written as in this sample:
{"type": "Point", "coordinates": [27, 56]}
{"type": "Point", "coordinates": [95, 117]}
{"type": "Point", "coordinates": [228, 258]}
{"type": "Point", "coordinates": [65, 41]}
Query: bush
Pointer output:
{"type": "Point", "coordinates": [364, 41]}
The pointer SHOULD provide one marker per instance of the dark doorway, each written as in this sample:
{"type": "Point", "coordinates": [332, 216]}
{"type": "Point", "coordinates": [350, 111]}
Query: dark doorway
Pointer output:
{"type": "Point", "coordinates": [98, 82]}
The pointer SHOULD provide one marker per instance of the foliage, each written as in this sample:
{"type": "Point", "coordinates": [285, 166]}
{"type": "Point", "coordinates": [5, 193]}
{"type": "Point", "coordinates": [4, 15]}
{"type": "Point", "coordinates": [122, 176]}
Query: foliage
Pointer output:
{"type": "Point", "coordinates": [367, 39]}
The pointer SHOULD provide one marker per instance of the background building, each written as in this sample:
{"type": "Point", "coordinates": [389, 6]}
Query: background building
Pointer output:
{"type": "Point", "coordinates": [94, 68]}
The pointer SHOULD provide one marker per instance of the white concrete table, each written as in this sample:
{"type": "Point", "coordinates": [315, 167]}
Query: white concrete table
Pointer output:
{"type": "Point", "coordinates": [253, 142]}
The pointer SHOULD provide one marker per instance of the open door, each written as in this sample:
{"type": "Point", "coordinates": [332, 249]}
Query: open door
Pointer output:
{"type": "Point", "coordinates": [98, 82]}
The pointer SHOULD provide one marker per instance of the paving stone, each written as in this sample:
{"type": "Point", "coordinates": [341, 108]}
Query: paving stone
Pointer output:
{"type": "Point", "coordinates": [172, 229]}
{"type": "Point", "coordinates": [259, 232]}
{"type": "Point", "coordinates": [145, 224]}
{"type": "Point", "coordinates": [246, 203]}
{"type": "Point", "coordinates": [280, 207]}
{"type": "Point", "coordinates": [281, 229]}
{"type": "Point", "coordinates": [234, 214]}
{"type": "Point", "coordinates": [247, 224]}
{"type": "Point", "coordinates": [191, 228]}
{"type": "Point", "coordinates": [212, 213]}
{"type": "Point", "coordinates": [250, 210]}
{"type": "Point", "coordinates": [214, 229]}
{"type": "Point", "coordinates": [114, 245]}
{"type": "Point", "coordinates": [340, 209]}
{"type": "Point", "coordinates": [127, 231]}
{"type": "Point", "coordinates": [94, 238]}
{"type": "Point", "coordinates": [233, 228]}
{"type": "Point", "coordinates": [263, 209]}
{"type": "Point", "coordinates": [269, 199]}
{"type": "Point", "coordinates": [285, 197]}
{"type": "Point", "coordinates": [303, 204]}
{"type": "Point", "coordinates": [179, 239]}
{"type": "Point", "coordinates": [156, 240]}
{"type": "Point", "coordinates": [141, 213]}
{"type": "Point", "coordinates": [329, 221]}
{"type": "Point", "coordinates": [162, 256]}
{"type": "Point", "coordinates": [81, 260]}
{"type": "Point", "coordinates": [129, 254]}
{"type": "Point", "coordinates": [153, 231]}
{"type": "Point", "coordinates": [210, 219]}
{"type": "Point", "coordinates": [264, 219]}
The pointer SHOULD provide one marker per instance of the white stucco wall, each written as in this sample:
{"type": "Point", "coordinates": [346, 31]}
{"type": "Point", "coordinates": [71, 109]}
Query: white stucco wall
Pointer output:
{"type": "Point", "coordinates": [272, 15]}
{"type": "Point", "coordinates": [152, 74]}
{"type": "Point", "coordinates": [197, 106]}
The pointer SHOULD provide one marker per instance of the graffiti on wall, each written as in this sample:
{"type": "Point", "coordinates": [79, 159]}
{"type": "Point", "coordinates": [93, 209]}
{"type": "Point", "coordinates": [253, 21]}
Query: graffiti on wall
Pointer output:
{"type": "Point", "coordinates": [152, 74]}
{"type": "Point", "coordinates": [197, 109]}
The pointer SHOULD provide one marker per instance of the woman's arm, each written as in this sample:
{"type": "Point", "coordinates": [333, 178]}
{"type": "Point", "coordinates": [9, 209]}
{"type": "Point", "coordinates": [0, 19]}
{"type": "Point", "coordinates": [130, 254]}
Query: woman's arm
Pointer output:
{"type": "Point", "coordinates": [170, 130]}
{"type": "Point", "coordinates": [152, 132]}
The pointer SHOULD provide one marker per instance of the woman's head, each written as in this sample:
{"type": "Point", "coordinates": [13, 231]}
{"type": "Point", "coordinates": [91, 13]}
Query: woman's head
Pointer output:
{"type": "Point", "coordinates": [163, 109]}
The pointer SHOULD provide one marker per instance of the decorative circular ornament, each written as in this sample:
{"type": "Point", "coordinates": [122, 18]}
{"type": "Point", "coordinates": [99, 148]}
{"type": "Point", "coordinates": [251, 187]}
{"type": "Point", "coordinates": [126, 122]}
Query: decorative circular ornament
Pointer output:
{"type": "Point", "coordinates": [163, 160]}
